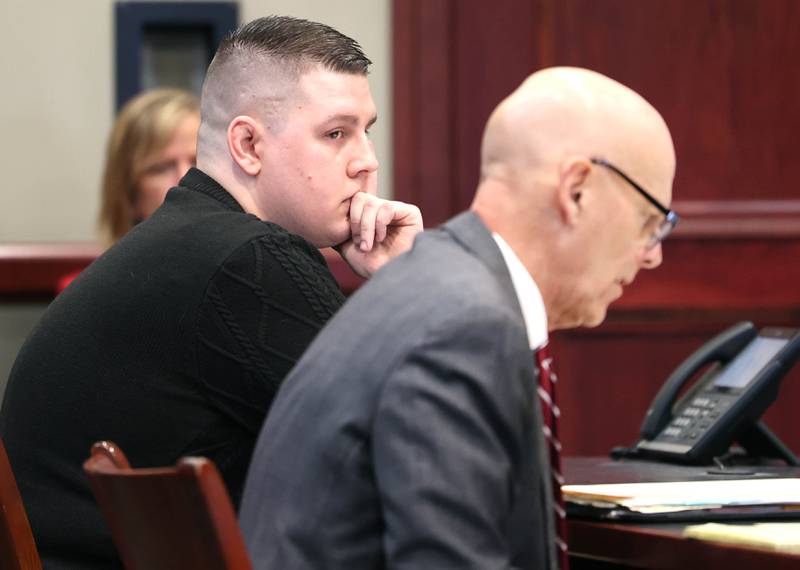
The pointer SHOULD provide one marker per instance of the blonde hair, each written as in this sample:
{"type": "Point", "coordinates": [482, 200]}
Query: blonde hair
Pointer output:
{"type": "Point", "coordinates": [144, 127]}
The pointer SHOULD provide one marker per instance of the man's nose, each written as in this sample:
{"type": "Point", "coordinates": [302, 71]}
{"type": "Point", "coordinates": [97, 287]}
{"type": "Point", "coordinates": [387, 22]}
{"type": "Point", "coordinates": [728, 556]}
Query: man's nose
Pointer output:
{"type": "Point", "coordinates": [365, 160]}
{"type": "Point", "coordinates": [653, 257]}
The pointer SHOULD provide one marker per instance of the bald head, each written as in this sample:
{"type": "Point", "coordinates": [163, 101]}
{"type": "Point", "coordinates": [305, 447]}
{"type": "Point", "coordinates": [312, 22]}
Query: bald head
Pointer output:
{"type": "Point", "coordinates": [575, 224]}
{"type": "Point", "coordinates": [559, 112]}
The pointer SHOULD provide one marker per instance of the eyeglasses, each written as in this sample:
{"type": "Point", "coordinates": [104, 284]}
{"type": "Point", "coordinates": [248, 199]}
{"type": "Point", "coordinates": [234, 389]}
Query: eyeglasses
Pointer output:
{"type": "Point", "coordinates": [670, 217]}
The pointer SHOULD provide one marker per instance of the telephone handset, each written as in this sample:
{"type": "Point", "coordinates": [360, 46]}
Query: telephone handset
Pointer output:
{"type": "Point", "coordinates": [726, 402]}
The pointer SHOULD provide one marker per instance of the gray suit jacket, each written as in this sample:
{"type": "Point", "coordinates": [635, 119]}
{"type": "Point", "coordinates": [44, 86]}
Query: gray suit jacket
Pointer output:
{"type": "Point", "coordinates": [409, 434]}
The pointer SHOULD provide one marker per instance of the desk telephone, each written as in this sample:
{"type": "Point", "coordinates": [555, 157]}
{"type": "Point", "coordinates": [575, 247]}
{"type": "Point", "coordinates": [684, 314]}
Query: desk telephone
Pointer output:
{"type": "Point", "coordinates": [726, 402]}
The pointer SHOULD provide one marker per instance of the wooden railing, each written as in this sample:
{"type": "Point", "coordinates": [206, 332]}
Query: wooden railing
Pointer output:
{"type": "Point", "coordinates": [31, 271]}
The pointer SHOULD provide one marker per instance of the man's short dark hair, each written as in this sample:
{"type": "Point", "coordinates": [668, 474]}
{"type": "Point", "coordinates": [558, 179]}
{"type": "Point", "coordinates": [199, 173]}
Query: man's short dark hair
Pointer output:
{"type": "Point", "coordinates": [297, 43]}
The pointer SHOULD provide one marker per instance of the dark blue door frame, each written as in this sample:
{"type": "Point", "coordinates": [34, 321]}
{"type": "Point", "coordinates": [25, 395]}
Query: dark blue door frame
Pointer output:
{"type": "Point", "coordinates": [133, 18]}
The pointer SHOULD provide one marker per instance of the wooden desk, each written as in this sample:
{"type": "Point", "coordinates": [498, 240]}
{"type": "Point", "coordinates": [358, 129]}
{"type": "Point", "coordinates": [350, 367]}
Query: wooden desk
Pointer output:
{"type": "Point", "coordinates": [595, 544]}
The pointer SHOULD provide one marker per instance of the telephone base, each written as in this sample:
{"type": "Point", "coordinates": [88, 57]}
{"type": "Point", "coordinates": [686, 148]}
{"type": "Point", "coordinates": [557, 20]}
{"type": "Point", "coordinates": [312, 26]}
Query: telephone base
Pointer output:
{"type": "Point", "coordinates": [758, 446]}
{"type": "Point", "coordinates": [759, 441]}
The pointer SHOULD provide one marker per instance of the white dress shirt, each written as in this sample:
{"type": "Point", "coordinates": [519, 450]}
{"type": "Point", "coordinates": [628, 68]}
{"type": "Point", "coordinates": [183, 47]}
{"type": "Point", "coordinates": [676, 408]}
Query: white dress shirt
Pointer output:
{"type": "Point", "coordinates": [528, 294]}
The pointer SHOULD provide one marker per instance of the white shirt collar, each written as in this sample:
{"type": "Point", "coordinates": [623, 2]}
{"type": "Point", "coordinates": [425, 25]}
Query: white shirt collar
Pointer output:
{"type": "Point", "coordinates": [528, 294]}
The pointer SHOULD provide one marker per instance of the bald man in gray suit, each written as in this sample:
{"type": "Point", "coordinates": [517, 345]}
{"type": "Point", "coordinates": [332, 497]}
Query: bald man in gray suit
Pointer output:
{"type": "Point", "coordinates": [410, 435]}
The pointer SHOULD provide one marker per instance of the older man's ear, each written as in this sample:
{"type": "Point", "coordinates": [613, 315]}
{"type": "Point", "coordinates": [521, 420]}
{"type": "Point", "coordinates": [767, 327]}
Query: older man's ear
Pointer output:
{"type": "Point", "coordinates": [571, 189]}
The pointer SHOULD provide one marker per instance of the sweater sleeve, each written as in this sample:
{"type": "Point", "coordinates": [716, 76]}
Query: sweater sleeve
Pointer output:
{"type": "Point", "coordinates": [261, 310]}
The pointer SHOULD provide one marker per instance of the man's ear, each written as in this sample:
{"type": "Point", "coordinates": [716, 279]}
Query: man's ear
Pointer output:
{"type": "Point", "coordinates": [244, 136]}
{"type": "Point", "coordinates": [572, 187]}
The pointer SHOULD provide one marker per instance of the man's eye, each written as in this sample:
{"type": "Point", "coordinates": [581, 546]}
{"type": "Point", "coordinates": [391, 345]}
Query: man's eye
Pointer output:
{"type": "Point", "coordinates": [337, 134]}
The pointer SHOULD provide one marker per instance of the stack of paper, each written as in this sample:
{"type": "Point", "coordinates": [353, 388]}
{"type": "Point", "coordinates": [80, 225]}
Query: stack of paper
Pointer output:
{"type": "Point", "coordinates": [659, 498]}
{"type": "Point", "coordinates": [784, 537]}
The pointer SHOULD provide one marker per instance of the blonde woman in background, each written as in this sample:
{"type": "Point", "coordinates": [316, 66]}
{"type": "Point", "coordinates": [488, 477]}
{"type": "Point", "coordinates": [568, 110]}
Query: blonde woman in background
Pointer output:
{"type": "Point", "coordinates": [152, 145]}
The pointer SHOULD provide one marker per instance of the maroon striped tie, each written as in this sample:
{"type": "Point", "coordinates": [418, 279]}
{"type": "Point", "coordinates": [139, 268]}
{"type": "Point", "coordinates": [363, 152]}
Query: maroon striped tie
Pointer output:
{"type": "Point", "coordinates": [550, 415]}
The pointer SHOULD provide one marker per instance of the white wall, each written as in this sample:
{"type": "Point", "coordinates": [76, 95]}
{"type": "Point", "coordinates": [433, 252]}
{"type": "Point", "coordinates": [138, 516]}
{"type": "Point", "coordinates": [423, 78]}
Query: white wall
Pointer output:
{"type": "Point", "coordinates": [55, 112]}
{"type": "Point", "coordinates": [56, 103]}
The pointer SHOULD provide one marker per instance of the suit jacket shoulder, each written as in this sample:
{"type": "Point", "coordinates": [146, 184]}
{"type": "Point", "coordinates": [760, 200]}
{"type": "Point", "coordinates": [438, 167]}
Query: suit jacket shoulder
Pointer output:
{"type": "Point", "coordinates": [415, 409]}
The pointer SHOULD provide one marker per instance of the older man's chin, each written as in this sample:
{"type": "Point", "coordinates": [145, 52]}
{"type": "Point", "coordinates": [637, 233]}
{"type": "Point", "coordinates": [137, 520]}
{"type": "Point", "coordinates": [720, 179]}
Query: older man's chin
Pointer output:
{"type": "Point", "coordinates": [588, 317]}
{"type": "Point", "coordinates": [597, 313]}
{"type": "Point", "coordinates": [596, 319]}
{"type": "Point", "coordinates": [594, 316]}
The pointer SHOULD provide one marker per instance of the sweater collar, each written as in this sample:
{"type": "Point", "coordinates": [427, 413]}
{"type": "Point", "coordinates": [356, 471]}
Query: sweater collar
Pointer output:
{"type": "Point", "coordinates": [201, 182]}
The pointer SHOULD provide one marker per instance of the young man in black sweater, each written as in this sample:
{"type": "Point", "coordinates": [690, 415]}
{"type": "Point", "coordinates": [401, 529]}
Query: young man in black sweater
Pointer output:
{"type": "Point", "coordinates": [175, 341]}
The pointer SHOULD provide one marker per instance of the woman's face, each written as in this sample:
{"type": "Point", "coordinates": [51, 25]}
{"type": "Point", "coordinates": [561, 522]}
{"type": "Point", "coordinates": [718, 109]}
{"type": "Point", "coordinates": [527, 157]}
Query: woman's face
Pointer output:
{"type": "Point", "coordinates": [163, 170]}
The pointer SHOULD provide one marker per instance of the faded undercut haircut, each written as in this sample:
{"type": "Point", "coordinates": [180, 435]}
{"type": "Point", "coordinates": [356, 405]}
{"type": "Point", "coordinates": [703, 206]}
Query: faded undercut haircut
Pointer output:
{"type": "Point", "coordinates": [296, 43]}
{"type": "Point", "coordinates": [253, 63]}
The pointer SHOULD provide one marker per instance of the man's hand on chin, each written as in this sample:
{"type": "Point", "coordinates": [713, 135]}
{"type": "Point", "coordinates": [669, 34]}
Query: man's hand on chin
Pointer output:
{"type": "Point", "coordinates": [380, 230]}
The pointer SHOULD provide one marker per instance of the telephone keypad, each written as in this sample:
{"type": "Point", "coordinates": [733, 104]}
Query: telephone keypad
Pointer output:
{"type": "Point", "coordinates": [697, 417]}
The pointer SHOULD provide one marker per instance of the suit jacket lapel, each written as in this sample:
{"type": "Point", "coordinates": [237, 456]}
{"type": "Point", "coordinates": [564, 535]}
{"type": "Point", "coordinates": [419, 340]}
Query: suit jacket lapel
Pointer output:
{"type": "Point", "coordinates": [468, 230]}
{"type": "Point", "coordinates": [474, 236]}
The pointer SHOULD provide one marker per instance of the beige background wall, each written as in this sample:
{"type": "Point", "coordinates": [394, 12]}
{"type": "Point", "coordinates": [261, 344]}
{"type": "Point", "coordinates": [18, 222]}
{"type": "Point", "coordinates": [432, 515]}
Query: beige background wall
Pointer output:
{"type": "Point", "coordinates": [56, 103]}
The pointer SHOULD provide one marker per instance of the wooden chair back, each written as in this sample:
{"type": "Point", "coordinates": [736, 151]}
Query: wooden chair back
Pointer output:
{"type": "Point", "coordinates": [167, 518]}
{"type": "Point", "coordinates": [17, 547]}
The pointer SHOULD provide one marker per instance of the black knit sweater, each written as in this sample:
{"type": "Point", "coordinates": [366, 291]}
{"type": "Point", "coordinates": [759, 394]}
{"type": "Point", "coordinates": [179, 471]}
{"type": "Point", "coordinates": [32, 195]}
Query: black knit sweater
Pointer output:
{"type": "Point", "coordinates": [172, 343]}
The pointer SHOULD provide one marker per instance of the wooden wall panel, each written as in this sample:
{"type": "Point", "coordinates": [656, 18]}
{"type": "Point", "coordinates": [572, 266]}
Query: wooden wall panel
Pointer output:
{"type": "Point", "coordinates": [495, 47]}
{"type": "Point", "coordinates": [453, 62]}
{"type": "Point", "coordinates": [610, 375]}
{"type": "Point", "coordinates": [422, 93]}
{"type": "Point", "coordinates": [722, 72]}
{"type": "Point", "coordinates": [719, 273]}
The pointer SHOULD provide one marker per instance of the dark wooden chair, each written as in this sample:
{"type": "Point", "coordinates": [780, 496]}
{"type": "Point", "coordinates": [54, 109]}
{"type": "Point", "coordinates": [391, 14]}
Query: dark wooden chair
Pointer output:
{"type": "Point", "coordinates": [17, 547]}
{"type": "Point", "coordinates": [169, 518]}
